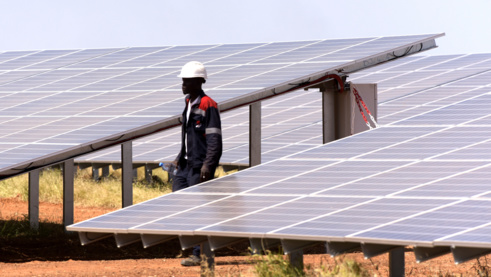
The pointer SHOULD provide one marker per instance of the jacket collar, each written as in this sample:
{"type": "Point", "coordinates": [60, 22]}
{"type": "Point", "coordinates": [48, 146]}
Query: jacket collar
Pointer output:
{"type": "Point", "coordinates": [198, 99]}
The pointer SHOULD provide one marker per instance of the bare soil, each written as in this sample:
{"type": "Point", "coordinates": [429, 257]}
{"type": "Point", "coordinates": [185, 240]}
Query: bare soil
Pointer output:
{"type": "Point", "coordinates": [64, 256]}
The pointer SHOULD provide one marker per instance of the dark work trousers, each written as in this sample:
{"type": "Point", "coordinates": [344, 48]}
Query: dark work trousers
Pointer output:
{"type": "Point", "coordinates": [187, 177]}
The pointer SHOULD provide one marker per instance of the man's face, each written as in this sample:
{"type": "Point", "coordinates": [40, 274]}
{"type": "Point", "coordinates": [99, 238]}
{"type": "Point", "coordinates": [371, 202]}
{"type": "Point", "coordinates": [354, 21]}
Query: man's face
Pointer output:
{"type": "Point", "coordinates": [191, 84]}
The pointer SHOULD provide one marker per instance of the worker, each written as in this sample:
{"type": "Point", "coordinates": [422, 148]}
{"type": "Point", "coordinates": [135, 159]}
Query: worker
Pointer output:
{"type": "Point", "coordinates": [201, 137]}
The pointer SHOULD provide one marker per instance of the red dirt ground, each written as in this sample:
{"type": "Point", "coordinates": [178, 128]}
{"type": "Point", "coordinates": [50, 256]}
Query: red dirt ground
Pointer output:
{"type": "Point", "coordinates": [66, 257]}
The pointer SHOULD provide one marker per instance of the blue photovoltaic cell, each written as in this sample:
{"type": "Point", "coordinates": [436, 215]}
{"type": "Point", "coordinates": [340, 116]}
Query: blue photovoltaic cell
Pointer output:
{"type": "Point", "coordinates": [435, 224]}
{"type": "Point", "coordinates": [480, 235]}
{"type": "Point", "coordinates": [115, 57]}
{"type": "Point", "coordinates": [483, 64]}
{"type": "Point", "coordinates": [310, 52]}
{"type": "Point", "coordinates": [278, 75]}
{"type": "Point", "coordinates": [72, 82]}
{"type": "Point", "coordinates": [104, 128]}
{"type": "Point", "coordinates": [249, 179]}
{"type": "Point", "coordinates": [11, 55]}
{"type": "Point", "coordinates": [71, 58]}
{"type": "Point", "coordinates": [399, 113]}
{"type": "Point", "coordinates": [14, 125]}
{"type": "Point", "coordinates": [454, 114]}
{"type": "Point", "coordinates": [259, 53]}
{"type": "Point", "coordinates": [211, 54]}
{"type": "Point", "coordinates": [47, 126]}
{"type": "Point", "coordinates": [33, 58]}
{"type": "Point", "coordinates": [14, 99]}
{"type": "Point", "coordinates": [424, 63]}
{"type": "Point", "coordinates": [387, 66]}
{"type": "Point", "coordinates": [482, 79]}
{"type": "Point", "coordinates": [39, 80]}
{"type": "Point", "coordinates": [410, 176]}
{"type": "Point", "coordinates": [211, 213]}
{"type": "Point", "coordinates": [368, 214]}
{"type": "Point", "coordinates": [432, 144]}
{"type": "Point", "coordinates": [322, 180]}
{"type": "Point", "coordinates": [470, 180]}
{"type": "Point", "coordinates": [284, 215]}
{"type": "Point", "coordinates": [367, 49]}
{"type": "Point", "coordinates": [406, 78]}
{"type": "Point", "coordinates": [437, 78]}
{"type": "Point", "coordinates": [126, 79]}
{"type": "Point", "coordinates": [434, 97]}
{"type": "Point", "coordinates": [376, 77]}
{"type": "Point", "coordinates": [480, 151]}
{"type": "Point", "coordinates": [357, 145]}
{"type": "Point", "coordinates": [165, 54]}
{"type": "Point", "coordinates": [41, 104]}
{"type": "Point", "coordinates": [460, 62]}
{"type": "Point", "coordinates": [149, 211]}
{"type": "Point", "coordinates": [10, 76]}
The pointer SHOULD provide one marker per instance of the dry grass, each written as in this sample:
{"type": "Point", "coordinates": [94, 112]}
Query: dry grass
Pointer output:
{"type": "Point", "coordinates": [105, 192]}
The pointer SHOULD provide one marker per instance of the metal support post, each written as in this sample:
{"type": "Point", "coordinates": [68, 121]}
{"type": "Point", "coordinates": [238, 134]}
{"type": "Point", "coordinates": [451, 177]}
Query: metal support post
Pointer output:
{"type": "Point", "coordinates": [207, 260]}
{"type": "Point", "coordinates": [338, 120]}
{"type": "Point", "coordinates": [95, 173]}
{"type": "Point", "coordinates": [328, 114]}
{"type": "Point", "coordinates": [255, 134]}
{"type": "Point", "coordinates": [343, 114]}
{"type": "Point", "coordinates": [148, 173]}
{"type": "Point", "coordinates": [105, 171]}
{"type": "Point", "coordinates": [296, 259]}
{"type": "Point", "coordinates": [68, 183]}
{"type": "Point", "coordinates": [127, 173]}
{"type": "Point", "coordinates": [396, 262]}
{"type": "Point", "coordinates": [34, 199]}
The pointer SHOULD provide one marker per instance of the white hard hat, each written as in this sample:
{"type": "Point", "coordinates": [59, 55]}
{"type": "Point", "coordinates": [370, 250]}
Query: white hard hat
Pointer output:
{"type": "Point", "coordinates": [193, 70]}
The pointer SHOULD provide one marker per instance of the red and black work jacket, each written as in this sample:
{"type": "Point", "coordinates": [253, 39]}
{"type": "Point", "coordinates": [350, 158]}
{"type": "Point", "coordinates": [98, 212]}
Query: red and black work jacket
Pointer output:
{"type": "Point", "coordinates": [203, 132]}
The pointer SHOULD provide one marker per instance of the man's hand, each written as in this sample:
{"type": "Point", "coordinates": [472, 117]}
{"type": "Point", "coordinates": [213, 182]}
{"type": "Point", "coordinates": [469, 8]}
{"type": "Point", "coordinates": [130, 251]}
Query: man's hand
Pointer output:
{"type": "Point", "coordinates": [205, 174]}
{"type": "Point", "coordinates": [171, 164]}
{"type": "Point", "coordinates": [170, 167]}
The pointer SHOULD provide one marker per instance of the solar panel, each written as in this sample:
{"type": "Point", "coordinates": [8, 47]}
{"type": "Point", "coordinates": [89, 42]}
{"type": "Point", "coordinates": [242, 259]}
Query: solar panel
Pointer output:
{"type": "Point", "coordinates": [300, 132]}
{"type": "Point", "coordinates": [285, 128]}
{"type": "Point", "coordinates": [419, 179]}
{"type": "Point", "coordinates": [122, 90]}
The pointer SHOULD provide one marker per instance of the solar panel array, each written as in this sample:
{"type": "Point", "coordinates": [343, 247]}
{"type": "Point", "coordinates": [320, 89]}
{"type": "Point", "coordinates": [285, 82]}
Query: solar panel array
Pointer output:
{"type": "Point", "coordinates": [55, 102]}
{"type": "Point", "coordinates": [292, 122]}
{"type": "Point", "coordinates": [420, 179]}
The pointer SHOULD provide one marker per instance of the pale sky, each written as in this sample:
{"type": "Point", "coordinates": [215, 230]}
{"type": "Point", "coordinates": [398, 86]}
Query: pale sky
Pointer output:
{"type": "Point", "coordinates": [68, 24]}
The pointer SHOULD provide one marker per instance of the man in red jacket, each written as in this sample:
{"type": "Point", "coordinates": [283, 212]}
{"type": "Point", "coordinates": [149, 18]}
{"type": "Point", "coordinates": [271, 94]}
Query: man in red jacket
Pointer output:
{"type": "Point", "coordinates": [201, 138]}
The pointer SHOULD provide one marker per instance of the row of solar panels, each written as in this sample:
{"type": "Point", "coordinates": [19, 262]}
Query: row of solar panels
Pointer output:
{"type": "Point", "coordinates": [57, 105]}
{"type": "Point", "coordinates": [422, 179]}
{"type": "Point", "coordinates": [292, 122]}
{"type": "Point", "coordinates": [419, 180]}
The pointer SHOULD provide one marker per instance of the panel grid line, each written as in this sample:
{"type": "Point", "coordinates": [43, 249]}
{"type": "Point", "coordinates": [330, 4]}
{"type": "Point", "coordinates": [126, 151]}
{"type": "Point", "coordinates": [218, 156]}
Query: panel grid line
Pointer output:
{"type": "Point", "coordinates": [404, 218]}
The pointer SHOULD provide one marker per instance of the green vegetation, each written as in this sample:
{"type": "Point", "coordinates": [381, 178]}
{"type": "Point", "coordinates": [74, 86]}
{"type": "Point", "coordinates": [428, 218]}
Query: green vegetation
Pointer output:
{"type": "Point", "coordinates": [345, 268]}
{"type": "Point", "coordinates": [274, 265]}
{"type": "Point", "coordinates": [277, 265]}
{"type": "Point", "coordinates": [21, 228]}
{"type": "Point", "coordinates": [105, 192]}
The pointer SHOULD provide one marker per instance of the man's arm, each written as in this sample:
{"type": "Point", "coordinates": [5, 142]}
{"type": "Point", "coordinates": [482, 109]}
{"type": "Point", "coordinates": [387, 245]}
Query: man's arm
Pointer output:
{"type": "Point", "coordinates": [214, 143]}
